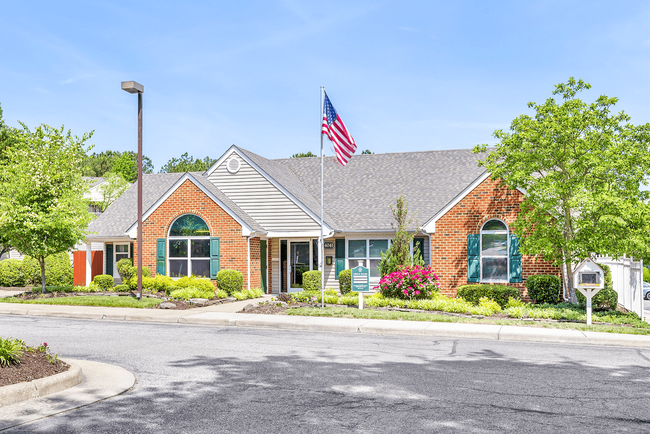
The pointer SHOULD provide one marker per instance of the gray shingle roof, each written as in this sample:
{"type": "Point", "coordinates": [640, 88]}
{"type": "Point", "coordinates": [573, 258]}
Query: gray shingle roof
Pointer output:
{"type": "Point", "coordinates": [358, 196]}
{"type": "Point", "coordinates": [122, 214]}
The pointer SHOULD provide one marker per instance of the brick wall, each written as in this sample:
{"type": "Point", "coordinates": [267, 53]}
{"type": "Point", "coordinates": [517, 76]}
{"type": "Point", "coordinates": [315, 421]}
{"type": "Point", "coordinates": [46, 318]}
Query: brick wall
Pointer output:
{"type": "Point", "coordinates": [189, 199]}
{"type": "Point", "coordinates": [449, 243]}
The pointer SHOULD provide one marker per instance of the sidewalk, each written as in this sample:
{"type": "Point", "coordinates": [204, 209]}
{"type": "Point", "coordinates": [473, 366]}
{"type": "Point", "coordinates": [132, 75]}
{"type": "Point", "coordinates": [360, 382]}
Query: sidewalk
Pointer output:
{"type": "Point", "coordinates": [224, 315]}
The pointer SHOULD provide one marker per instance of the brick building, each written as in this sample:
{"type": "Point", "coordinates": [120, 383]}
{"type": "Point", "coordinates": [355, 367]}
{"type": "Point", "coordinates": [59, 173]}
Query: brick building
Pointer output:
{"type": "Point", "coordinates": [262, 217]}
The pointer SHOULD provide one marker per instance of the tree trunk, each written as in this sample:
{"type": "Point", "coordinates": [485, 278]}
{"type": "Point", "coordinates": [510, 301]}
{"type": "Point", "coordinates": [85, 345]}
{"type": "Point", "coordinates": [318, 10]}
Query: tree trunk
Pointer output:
{"type": "Point", "coordinates": [567, 273]}
{"type": "Point", "coordinates": [41, 261]}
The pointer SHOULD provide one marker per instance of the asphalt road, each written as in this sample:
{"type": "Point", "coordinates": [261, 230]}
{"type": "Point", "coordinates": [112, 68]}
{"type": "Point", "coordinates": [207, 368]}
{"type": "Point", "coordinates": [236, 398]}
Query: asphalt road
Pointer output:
{"type": "Point", "coordinates": [209, 380]}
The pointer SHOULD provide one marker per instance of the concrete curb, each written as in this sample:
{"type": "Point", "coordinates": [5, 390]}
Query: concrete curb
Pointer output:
{"type": "Point", "coordinates": [100, 381]}
{"type": "Point", "coordinates": [211, 317]}
{"type": "Point", "coordinates": [15, 393]}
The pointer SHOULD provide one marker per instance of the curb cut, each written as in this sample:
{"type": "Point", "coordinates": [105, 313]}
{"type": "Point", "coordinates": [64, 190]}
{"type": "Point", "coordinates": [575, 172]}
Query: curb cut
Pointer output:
{"type": "Point", "coordinates": [19, 392]}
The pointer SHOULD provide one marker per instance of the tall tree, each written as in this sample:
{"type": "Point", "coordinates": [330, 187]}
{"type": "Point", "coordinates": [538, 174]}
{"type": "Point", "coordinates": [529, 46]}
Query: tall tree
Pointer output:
{"type": "Point", "coordinates": [111, 189]}
{"type": "Point", "coordinates": [42, 206]}
{"type": "Point", "coordinates": [580, 166]}
{"type": "Point", "coordinates": [187, 163]}
{"type": "Point", "coordinates": [303, 154]}
{"type": "Point", "coordinates": [399, 253]}
{"type": "Point", "coordinates": [125, 163]}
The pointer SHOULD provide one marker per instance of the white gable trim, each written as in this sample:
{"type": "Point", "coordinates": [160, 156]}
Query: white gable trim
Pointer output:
{"type": "Point", "coordinates": [430, 226]}
{"type": "Point", "coordinates": [245, 229]}
{"type": "Point", "coordinates": [234, 149]}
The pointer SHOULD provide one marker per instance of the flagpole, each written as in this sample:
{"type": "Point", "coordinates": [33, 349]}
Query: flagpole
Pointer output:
{"type": "Point", "coordinates": [321, 247]}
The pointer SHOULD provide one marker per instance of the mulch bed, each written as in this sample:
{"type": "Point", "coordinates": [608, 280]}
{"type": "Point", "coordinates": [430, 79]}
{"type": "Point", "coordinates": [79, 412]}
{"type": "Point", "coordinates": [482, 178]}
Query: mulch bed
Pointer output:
{"type": "Point", "coordinates": [32, 366]}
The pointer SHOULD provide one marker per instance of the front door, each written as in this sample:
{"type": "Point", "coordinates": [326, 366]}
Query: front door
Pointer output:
{"type": "Point", "coordinates": [296, 257]}
{"type": "Point", "coordinates": [299, 263]}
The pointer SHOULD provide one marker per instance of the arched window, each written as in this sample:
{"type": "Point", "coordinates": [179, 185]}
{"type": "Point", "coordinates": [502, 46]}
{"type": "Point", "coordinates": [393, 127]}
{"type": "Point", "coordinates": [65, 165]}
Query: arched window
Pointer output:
{"type": "Point", "coordinates": [189, 247]}
{"type": "Point", "coordinates": [494, 251]}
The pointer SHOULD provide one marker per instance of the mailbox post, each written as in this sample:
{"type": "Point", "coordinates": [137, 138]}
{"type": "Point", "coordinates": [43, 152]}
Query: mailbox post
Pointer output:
{"type": "Point", "coordinates": [360, 277]}
{"type": "Point", "coordinates": [588, 278]}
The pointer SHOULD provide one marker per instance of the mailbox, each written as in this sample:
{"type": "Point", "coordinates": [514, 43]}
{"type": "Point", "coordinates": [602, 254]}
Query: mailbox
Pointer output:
{"type": "Point", "coordinates": [588, 275]}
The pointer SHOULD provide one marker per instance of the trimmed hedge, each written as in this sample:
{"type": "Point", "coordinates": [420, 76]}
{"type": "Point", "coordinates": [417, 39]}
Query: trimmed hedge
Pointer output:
{"type": "Point", "coordinates": [311, 280]}
{"type": "Point", "coordinates": [58, 271]}
{"type": "Point", "coordinates": [104, 281]}
{"type": "Point", "coordinates": [544, 288]}
{"type": "Point", "coordinates": [345, 281]}
{"type": "Point", "coordinates": [230, 281]}
{"type": "Point", "coordinates": [194, 282]}
{"type": "Point", "coordinates": [499, 293]}
{"type": "Point", "coordinates": [125, 269]}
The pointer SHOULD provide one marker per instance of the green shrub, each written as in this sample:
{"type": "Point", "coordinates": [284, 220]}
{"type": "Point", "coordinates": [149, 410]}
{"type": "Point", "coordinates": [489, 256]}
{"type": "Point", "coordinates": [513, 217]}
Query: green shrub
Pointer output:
{"type": "Point", "coordinates": [194, 282]}
{"type": "Point", "coordinates": [187, 293]}
{"type": "Point", "coordinates": [246, 294]}
{"type": "Point", "coordinates": [133, 281]}
{"type": "Point", "coordinates": [646, 275]}
{"type": "Point", "coordinates": [11, 273]}
{"type": "Point", "coordinates": [11, 350]}
{"type": "Point", "coordinates": [104, 281]}
{"type": "Point", "coordinates": [499, 293]}
{"type": "Point", "coordinates": [58, 270]}
{"type": "Point", "coordinates": [221, 293]}
{"type": "Point", "coordinates": [230, 280]}
{"type": "Point", "coordinates": [125, 269]}
{"type": "Point", "coordinates": [311, 280]}
{"type": "Point", "coordinates": [121, 288]}
{"type": "Point", "coordinates": [544, 288]}
{"type": "Point", "coordinates": [158, 283]}
{"type": "Point", "coordinates": [345, 281]}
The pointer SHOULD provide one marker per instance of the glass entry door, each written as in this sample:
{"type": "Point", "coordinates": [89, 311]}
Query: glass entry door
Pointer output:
{"type": "Point", "coordinates": [299, 262]}
{"type": "Point", "coordinates": [296, 257]}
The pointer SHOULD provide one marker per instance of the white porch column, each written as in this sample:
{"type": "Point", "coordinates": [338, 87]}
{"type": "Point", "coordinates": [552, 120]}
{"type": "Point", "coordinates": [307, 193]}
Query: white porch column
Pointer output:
{"type": "Point", "coordinates": [89, 271]}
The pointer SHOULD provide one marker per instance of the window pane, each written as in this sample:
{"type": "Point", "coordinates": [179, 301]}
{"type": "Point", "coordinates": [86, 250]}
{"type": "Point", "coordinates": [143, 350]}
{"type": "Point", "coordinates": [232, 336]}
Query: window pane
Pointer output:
{"type": "Point", "coordinates": [355, 262]}
{"type": "Point", "coordinates": [200, 249]}
{"type": "Point", "coordinates": [377, 246]}
{"type": "Point", "coordinates": [494, 245]}
{"type": "Point", "coordinates": [119, 256]}
{"type": "Point", "coordinates": [189, 226]}
{"type": "Point", "coordinates": [374, 270]}
{"type": "Point", "coordinates": [178, 267]}
{"type": "Point", "coordinates": [495, 268]}
{"type": "Point", "coordinates": [357, 249]}
{"type": "Point", "coordinates": [122, 248]}
{"type": "Point", "coordinates": [200, 268]}
{"type": "Point", "coordinates": [178, 248]}
{"type": "Point", "coordinates": [494, 225]}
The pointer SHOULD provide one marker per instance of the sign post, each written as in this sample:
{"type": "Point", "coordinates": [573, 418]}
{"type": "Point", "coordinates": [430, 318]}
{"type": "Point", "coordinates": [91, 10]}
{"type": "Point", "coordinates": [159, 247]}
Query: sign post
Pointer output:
{"type": "Point", "coordinates": [588, 278]}
{"type": "Point", "coordinates": [360, 282]}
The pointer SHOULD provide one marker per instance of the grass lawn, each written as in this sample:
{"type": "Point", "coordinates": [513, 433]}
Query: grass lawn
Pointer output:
{"type": "Point", "coordinates": [88, 300]}
{"type": "Point", "coordinates": [341, 312]}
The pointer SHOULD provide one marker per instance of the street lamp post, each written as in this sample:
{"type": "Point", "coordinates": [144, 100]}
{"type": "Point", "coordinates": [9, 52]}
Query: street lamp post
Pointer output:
{"type": "Point", "coordinates": [135, 87]}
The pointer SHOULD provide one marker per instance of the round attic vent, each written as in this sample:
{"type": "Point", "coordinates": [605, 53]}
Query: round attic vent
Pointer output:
{"type": "Point", "coordinates": [233, 165]}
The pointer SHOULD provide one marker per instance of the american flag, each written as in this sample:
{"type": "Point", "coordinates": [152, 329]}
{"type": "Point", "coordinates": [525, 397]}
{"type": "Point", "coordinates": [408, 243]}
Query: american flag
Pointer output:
{"type": "Point", "coordinates": [335, 129]}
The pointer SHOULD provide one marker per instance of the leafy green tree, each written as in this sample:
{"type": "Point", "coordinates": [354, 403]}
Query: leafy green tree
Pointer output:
{"type": "Point", "coordinates": [580, 166]}
{"type": "Point", "coordinates": [399, 252]}
{"type": "Point", "coordinates": [187, 163]}
{"type": "Point", "coordinates": [111, 189]}
{"type": "Point", "coordinates": [127, 164]}
{"type": "Point", "coordinates": [302, 154]}
{"type": "Point", "coordinates": [367, 151]}
{"type": "Point", "coordinates": [42, 206]}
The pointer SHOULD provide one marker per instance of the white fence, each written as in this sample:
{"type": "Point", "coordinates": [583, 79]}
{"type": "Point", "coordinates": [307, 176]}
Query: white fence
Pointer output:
{"type": "Point", "coordinates": [627, 278]}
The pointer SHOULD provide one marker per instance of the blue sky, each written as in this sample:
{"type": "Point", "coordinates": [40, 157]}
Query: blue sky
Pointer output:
{"type": "Point", "coordinates": [404, 76]}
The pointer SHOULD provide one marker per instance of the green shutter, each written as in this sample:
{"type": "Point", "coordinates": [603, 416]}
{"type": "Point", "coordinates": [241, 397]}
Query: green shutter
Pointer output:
{"type": "Point", "coordinates": [340, 257]}
{"type": "Point", "coordinates": [473, 259]}
{"type": "Point", "coordinates": [215, 256]}
{"type": "Point", "coordinates": [161, 256]}
{"type": "Point", "coordinates": [515, 259]}
{"type": "Point", "coordinates": [263, 257]}
{"type": "Point", "coordinates": [109, 259]}
{"type": "Point", "coordinates": [132, 256]}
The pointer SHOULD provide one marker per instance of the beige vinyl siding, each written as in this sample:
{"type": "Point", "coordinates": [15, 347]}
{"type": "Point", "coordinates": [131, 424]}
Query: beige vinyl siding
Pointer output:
{"type": "Point", "coordinates": [275, 266]}
{"type": "Point", "coordinates": [260, 199]}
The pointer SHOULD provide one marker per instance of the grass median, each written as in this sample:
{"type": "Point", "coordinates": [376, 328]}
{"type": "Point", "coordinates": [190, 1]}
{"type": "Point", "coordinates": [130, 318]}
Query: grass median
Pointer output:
{"type": "Point", "coordinates": [88, 300]}
{"type": "Point", "coordinates": [343, 312]}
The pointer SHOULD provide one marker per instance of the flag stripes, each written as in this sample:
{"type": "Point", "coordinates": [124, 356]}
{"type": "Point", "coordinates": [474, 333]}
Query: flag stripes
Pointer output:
{"type": "Point", "coordinates": [335, 129]}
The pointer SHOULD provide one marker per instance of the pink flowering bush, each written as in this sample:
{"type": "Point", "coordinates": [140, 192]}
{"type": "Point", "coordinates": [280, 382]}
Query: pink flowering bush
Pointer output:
{"type": "Point", "coordinates": [410, 283]}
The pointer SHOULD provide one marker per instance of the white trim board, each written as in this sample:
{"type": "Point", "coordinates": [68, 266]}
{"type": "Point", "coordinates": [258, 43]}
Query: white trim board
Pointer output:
{"type": "Point", "coordinates": [276, 184]}
{"type": "Point", "coordinates": [133, 230]}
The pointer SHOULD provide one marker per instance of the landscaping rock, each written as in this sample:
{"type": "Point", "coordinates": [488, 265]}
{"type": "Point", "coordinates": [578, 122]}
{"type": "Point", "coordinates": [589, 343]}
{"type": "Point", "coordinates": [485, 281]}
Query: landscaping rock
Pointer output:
{"type": "Point", "coordinates": [199, 301]}
{"type": "Point", "coordinates": [167, 306]}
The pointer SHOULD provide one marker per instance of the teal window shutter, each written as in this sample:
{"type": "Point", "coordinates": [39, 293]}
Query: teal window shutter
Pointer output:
{"type": "Point", "coordinates": [473, 259]}
{"type": "Point", "coordinates": [109, 259]}
{"type": "Point", "coordinates": [515, 259]}
{"type": "Point", "coordinates": [340, 257]}
{"type": "Point", "coordinates": [215, 256]}
{"type": "Point", "coordinates": [161, 253]}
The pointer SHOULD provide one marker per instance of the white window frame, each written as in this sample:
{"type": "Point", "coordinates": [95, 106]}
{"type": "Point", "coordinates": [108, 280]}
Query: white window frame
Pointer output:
{"type": "Point", "coordinates": [481, 256]}
{"type": "Point", "coordinates": [189, 247]}
{"type": "Point", "coordinates": [348, 260]}
{"type": "Point", "coordinates": [128, 249]}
